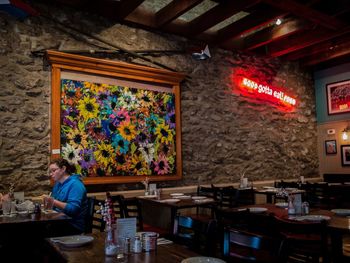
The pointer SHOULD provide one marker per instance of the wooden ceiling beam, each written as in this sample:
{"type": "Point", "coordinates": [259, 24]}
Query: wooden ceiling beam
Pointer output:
{"type": "Point", "coordinates": [114, 10]}
{"type": "Point", "coordinates": [173, 10]}
{"type": "Point", "coordinates": [306, 12]}
{"type": "Point", "coordinates": [218, 14]}
{"type": "Point", "coordinates": [340, 50]}
{"type": "Point", "coordinates": [127, 7]}
{"type": "Point", "coordinates": [274, 33]}
{"type": "Point", "coordinates": [319, 48]}
{"type": "Point", "coordinates": [302, 40]}
{"type": "Point", "coordinates": [247, 24]}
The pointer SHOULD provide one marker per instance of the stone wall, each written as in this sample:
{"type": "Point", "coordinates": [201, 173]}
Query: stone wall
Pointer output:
{"type": "Point", "coordinates": [223, 132]}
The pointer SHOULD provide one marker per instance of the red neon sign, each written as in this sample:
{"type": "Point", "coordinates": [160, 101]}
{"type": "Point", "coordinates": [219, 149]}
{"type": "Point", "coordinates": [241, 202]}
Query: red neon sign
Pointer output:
{"type": "Point", "coordinates": [268, 92]}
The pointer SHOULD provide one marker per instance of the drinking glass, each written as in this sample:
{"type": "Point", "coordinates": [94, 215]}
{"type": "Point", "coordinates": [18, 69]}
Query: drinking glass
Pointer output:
{"type": "Point", "coordinates": [48, 203]}
{"type": "Point", "coordinates": [158, 193]}
{"type": "Point", "coordinates": [6, 207]}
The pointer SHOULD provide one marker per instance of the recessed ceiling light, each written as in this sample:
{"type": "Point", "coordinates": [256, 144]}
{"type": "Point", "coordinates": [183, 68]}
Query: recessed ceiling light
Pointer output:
{"type": "Point", "coordinates": [278, 21]}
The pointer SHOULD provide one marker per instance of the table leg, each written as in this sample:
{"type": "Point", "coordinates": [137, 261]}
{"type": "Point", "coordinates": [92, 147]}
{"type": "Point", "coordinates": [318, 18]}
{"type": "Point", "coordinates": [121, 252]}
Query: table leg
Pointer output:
{"type": "Point", "coordinates": [336, 246]}
{"type": "Point", "coordinates": [173, 214]}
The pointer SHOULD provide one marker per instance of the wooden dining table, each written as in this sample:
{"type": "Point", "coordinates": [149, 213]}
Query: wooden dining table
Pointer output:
{"type": "Point", "coordinates": [271, 193]}
{"type": "Point", "coordinates": [167, 211]}
{"type": "Point", "coordinates": [94, 252]}
{"type": "Point", "coordinates": [337, 226]}
{"type": "Point", "coordinates": [25, 232]}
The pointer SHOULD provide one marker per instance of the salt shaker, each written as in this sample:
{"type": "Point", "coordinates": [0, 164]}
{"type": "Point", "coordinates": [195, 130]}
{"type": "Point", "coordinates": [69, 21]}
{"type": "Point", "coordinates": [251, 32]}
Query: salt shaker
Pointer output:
{"type": "Point", "coordinates": [137, 245]}
{"type": "Point", "coordinates": [305, 208]}
{"type": "Point", "coordinates": [127, 249]}
{"type": "Point", "coordinates": [37, 209]}
{"type": "Point", "coordinates": [291, 208]}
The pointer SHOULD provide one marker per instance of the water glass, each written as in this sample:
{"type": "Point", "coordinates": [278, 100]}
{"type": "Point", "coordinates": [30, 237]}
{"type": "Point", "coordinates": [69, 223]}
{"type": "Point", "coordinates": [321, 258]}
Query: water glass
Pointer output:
{"type": "Point", "coordinates": [6, 207]}
{"type": "Point", "coordinates": [48, 203]}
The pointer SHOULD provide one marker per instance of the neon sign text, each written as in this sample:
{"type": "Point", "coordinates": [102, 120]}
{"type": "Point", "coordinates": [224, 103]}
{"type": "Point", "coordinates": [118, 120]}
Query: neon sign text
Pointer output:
{"type": "Point", "coordinates": [264, 89]}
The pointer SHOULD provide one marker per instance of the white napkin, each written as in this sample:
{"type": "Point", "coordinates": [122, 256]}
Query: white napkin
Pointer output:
{"type": "Point", "coordinates": [25, 206]}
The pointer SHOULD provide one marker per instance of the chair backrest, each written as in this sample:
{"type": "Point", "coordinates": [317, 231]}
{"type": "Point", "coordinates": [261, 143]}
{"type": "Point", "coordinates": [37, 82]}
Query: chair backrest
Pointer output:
{"type": "Point", "coordinates": [132, 208]}
{"type": "Point", "coordinates": [317, 194]}
{"type": "Point", "coordinates": [304, 239]}
{"type": "Point", "coordinates": [245, 197]}
{"type": "Point", "coordinates": [226, 196]}
{"type": "Point", "coordinates": [94, 220]}
{"type": "Point", "coordinates": [206, 191]}
{"type": "Point", "coordinates": [196, 234]}
{"type": "Point", "coordinates": [231, 218]}
{"type": "Point", "coordinates": [243, 246]}
{"type": "Point", "coordinates": [117, 201]}
{"type": "Point", "coordinates": [283, 184]}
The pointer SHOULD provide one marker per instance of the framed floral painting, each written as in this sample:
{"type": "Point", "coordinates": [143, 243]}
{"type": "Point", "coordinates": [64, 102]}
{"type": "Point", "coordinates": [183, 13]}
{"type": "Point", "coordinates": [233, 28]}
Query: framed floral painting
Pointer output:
{"type": "Point", "coordinates": [115, 122]}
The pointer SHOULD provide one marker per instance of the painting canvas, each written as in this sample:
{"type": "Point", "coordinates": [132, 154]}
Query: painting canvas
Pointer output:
{"type": "Point", "coordinates": [331, 146]}
{"type": "Point", "coordinates": [110, 130]}
{"type": "Point", "coordinates": [345, 155]}
{"type": "Point", "coordinates": [338, 97]}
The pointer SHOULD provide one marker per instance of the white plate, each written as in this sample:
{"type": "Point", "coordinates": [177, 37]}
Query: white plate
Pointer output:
{"type": "Point", "coordinates": [257, 209]}
{"type": "Point", "coordinates": [176, 194]}
{"type": "Point", "coordinates": [341, 212]}
{"type": "Point", "coordinates": [170, 200]}
{"type": "Point", "coordinates": [269, 187]}
{"type": "Point", "coordinates": [22, 212]}
{"type": "Point", "coordinates": [202, 260]}
{"type": "Point", "coordinates": [204, 200]}
{"type": "Point", "coordinates": [183, 197]}
{"type": "Point", "coordinates": [147, 196]}
{"type": "Point", "coordinates": [282, 205]}
{"type": "Point", "coordinates": [73, 241]}
{"type": "Point", "coordinates": [199, 197]}
{"type": "Point", "coordinates": [316, 218]}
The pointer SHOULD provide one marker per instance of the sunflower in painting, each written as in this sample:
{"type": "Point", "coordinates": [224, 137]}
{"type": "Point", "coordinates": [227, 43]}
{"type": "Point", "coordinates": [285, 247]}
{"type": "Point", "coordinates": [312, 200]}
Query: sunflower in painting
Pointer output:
{"type": "Point", "coordinates": [164, 134]}
{"type": "Point", "coordinates": [71, 154]}
{"type": "Point", "coordinates": [120, 144]}
{"type": "Point", "coordinates": [146, 98]}
{"type": "Point", "coordinates": [127, 130]}
{"type": "Point", "coordinates": [161, 165]}
{"type": "Point", "coordinates": [77, 139]}
{"type": "Point", "coordinates": [139, 166]}
{"type": "Point", "coordinates": [88, 108]}
{"type": "Point", "coordinates": [104, 154]}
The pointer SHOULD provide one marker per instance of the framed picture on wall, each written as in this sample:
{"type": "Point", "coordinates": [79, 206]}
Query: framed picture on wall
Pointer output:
{"type": "Point", "coordinates": [338, 97]}
{"type": "Point", "coordinates": [116, 122]}
{"type": "Point", "coordinates": [331, 146]}
{"type": "Point", "coordinates": [345, 155]}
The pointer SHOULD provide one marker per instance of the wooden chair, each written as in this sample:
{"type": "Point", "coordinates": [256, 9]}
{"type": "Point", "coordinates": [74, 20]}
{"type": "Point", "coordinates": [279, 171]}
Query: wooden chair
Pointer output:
{"type": "Point", "coordinates": [317, 194]}
{"type": "Point", "coordinates": [231, 218]}
{"type": "Point", "coordinates": [195, 234]}
{"type": "Point", "coordinates": [244, 246]}
{"type": "Point", "coordinates": [206, 191]}
{"type": "Point", "coordinates": [132, 208]}
{"type": "Point", "coordinates": [210, 193]}
{"type": "Point", "coordinates": [227, 197]}
{"type": "Point", "coordinates": [117, 201]}
{"type": "Point", "coordinates": [304, 241]}
{"type": "Point", "coordinates": [245, 197]}
{"type": "Point", "coordinates": [94, 220]}
{"type": "Point", "coordinates": [283, 184]}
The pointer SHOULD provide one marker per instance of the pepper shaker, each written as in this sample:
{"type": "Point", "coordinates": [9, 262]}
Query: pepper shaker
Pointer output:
{"type": "Point", "coordinates": [127, 248]}
{"type": "Point", "coordinates": [137, 245]}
